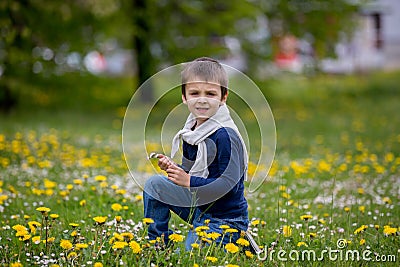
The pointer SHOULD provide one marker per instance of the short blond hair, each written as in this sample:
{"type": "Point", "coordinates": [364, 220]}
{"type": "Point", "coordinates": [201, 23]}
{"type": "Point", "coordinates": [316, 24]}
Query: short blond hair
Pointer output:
{"type": "Point", "coordinates": [205, 69]}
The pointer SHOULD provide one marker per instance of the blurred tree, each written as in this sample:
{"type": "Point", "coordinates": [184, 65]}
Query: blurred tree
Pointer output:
{"type": "Point", "coordinates": [37, 36]}
{"type": "Point", "coordinates": [171, 32]}
{"type": "Point", "coordinates": [321, 22]}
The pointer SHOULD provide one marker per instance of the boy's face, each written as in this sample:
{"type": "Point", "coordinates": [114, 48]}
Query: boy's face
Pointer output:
{"type": "Point", "coordinates": [203, 99]}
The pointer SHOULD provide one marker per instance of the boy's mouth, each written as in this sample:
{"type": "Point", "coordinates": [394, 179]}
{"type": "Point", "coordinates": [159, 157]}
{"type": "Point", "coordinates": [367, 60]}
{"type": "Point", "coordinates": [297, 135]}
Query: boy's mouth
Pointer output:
{"type": "Point", "coordinates": [202, 110]}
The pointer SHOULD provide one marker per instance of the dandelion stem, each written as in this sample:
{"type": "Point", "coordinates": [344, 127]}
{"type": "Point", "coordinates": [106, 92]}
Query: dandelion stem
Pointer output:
{"type": "Point", "coordinates": [46, 230]}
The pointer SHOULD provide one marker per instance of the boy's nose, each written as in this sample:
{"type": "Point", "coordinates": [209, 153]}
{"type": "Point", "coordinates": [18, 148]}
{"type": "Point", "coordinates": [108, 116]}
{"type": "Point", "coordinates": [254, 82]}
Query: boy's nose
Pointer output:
{"type": "Point", "coordinates": [202, 100]}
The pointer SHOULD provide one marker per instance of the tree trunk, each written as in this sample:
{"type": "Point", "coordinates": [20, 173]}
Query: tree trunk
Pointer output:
{"type": "Point", "coordinates": [141, 40]}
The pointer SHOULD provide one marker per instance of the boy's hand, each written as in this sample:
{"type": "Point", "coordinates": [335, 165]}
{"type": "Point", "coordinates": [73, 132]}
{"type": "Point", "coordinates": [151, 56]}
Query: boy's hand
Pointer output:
{"type": "Point", "coordinates": [177, 175]}
{"type": "Point", "coordinates": [164, 162]}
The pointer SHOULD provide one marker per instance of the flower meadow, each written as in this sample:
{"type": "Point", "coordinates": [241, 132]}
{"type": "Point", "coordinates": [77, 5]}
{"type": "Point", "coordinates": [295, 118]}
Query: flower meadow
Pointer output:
{"type": "Point", "coordinates": [65, 205]}
{"type": "Point", "coordinates": [331, 197]}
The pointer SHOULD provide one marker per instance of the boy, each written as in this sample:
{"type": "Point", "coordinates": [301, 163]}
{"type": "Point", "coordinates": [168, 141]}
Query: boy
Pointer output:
{"type": "Point", "coordinates": [207, 189]}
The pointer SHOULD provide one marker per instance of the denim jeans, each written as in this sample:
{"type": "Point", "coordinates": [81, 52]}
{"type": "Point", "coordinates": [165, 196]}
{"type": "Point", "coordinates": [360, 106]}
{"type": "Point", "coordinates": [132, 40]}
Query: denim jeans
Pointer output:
{"type": "Point", "coordinates": [159, 191]}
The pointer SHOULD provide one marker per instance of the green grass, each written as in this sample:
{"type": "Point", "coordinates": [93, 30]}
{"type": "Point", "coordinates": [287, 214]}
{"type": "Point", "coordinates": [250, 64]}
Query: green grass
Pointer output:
{"type": "Point", "coordinates": [337, 159]}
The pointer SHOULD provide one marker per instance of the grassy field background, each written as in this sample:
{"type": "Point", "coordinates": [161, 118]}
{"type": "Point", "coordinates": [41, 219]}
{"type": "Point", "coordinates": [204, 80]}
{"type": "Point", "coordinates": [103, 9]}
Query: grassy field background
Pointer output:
{"type": "Point", "coordinates": [335, 177]}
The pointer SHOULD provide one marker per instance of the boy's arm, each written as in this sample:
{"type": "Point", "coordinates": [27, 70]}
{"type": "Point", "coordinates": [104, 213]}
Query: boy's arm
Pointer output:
{"type": "Point", "coordinates": [231, 167]}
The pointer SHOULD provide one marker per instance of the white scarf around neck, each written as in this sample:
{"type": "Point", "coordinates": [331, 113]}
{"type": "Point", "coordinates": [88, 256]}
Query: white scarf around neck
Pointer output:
{"type": "Point", "coordinates": [197, 136]}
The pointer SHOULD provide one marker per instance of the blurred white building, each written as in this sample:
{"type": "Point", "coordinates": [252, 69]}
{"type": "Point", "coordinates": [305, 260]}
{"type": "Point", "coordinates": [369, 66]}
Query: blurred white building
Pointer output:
{"type": "Point", "coordinates": [376, 43]}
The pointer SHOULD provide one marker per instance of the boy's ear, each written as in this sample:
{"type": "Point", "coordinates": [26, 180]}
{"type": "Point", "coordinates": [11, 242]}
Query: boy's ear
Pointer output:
{"type": "Point", "coordinates": [184, 99]}
{"type": "Point", "coordinates": [223, 100]}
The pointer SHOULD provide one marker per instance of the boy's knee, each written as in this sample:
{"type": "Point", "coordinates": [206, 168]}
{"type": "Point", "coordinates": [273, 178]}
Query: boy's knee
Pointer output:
{"type": "Point", "coordinates": [153, 184]}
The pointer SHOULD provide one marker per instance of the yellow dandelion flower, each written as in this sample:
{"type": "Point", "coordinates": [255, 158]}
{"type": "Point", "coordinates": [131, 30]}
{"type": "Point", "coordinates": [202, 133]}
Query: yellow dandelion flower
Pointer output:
{"type": "Point", "coordinates": [361, 209]}
{"type": "Point", "coordinates": [346, 209]}
{"type": "Point", "coordinates": [135, 247]}
{"type": "Point", "coordinates": [243, 242]}
{"type": "Point", "coordinates": [100, 219]}
{"type": "Point", "coordinates": [207, 221]}
{"type": "Point", "coordinates": [100, 178]}
{"type": "Point", "coordinates": [119, 245]}
{"type": "Point", "coordinates": [321, 221]}
{"type": "Point", "coordinates": [138, 197]}
{"type": "Point", "coordinates": [43, 210]}
{"type": "Point", "coordinates": [54, 216]}
{"type": "Point", "coordinates": [16, 264]}
{"type": "Point", "coordinates": [387, 200]}
{"type": "Point", "coordinates": [231, 265]}
{"type": "Point", "coordinates": [116, 237]}
{"type": "Point", "coordinates": [98, 264]}
{"type": "Point", "coordinates": [72, 255]}
{"type": "Point", "coordinates": [36, 240]}
{"type": "Point", "coordinates": [116, 207]}
{"type": "Point", "coordinates": [301, 243]}
{"type": "Point", "coordinates": [201, 234]}
{"type": "Point", "coordinates": [114, 187]}
{"type": "Point", "coordinates": [212, 259]}
{"type": "Point", "coordinates": [306, 217]}
{"type": "Point", "coordinates": [312, 235]}
{"type": "Point", "coordinates": [118, 218]}
{"type": "Point", "coordinates": [25, 237]}
{"type": "Point", "coordinates": [33, 225]}
{"type": "Point", "coordinates": [255, 222]}
{"type": "Point", "coordinates": [120, 192]}
{"type": "Point", "coordinates": [360, 229]}
{"type": "Point", "coordinates": [287, 231]}
{"type": "Point", "coordinates": [231, 230]}
{"type": "Point", "coordinates": [224, 226]}
{"type": "Point", "coordinates": [147, 220]}
{"type": "Point", "coordinates": [82, 202]}
{"type": "Point", "coordinates": [176, 237]}
{"type": "Point", "coordinates": [81, 245]}
{"type": "Point", "coordinates": [49, 240]}
{"type": "Point", "coordinates": [19, 228]}
{"type": "Point", "coordinates": [213, 235]}
{"type": "Point", "coordinates": [21, 233]}
{"type": "Point", "coordinates": [65, 244]}
{"type": "Point", "coordinates": [232, 248]}
{"type": "Point", "coordinates": [49, 184]}
{"type": "Point", "coordinates": [78, 181]}
{"type": "Point", "coordinates": [249, 254]}
{"type": "Point", "coordinates": [74, 225]}
{"type": "Point", "coordinates": [362, 242]}
{"type": "Point", "coordinates": [195, 245]}
{"type": "Point", "coordinates": [127, 236]}
{"type": "Point", "coordinates": [202, 228]}
{"type": "Point", "coordinates": [387, 230]}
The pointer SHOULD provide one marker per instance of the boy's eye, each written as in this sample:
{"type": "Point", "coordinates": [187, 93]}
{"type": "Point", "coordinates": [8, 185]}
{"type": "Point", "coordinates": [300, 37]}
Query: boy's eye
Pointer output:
{"type": "Point", "coordinates": [211, 93]}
